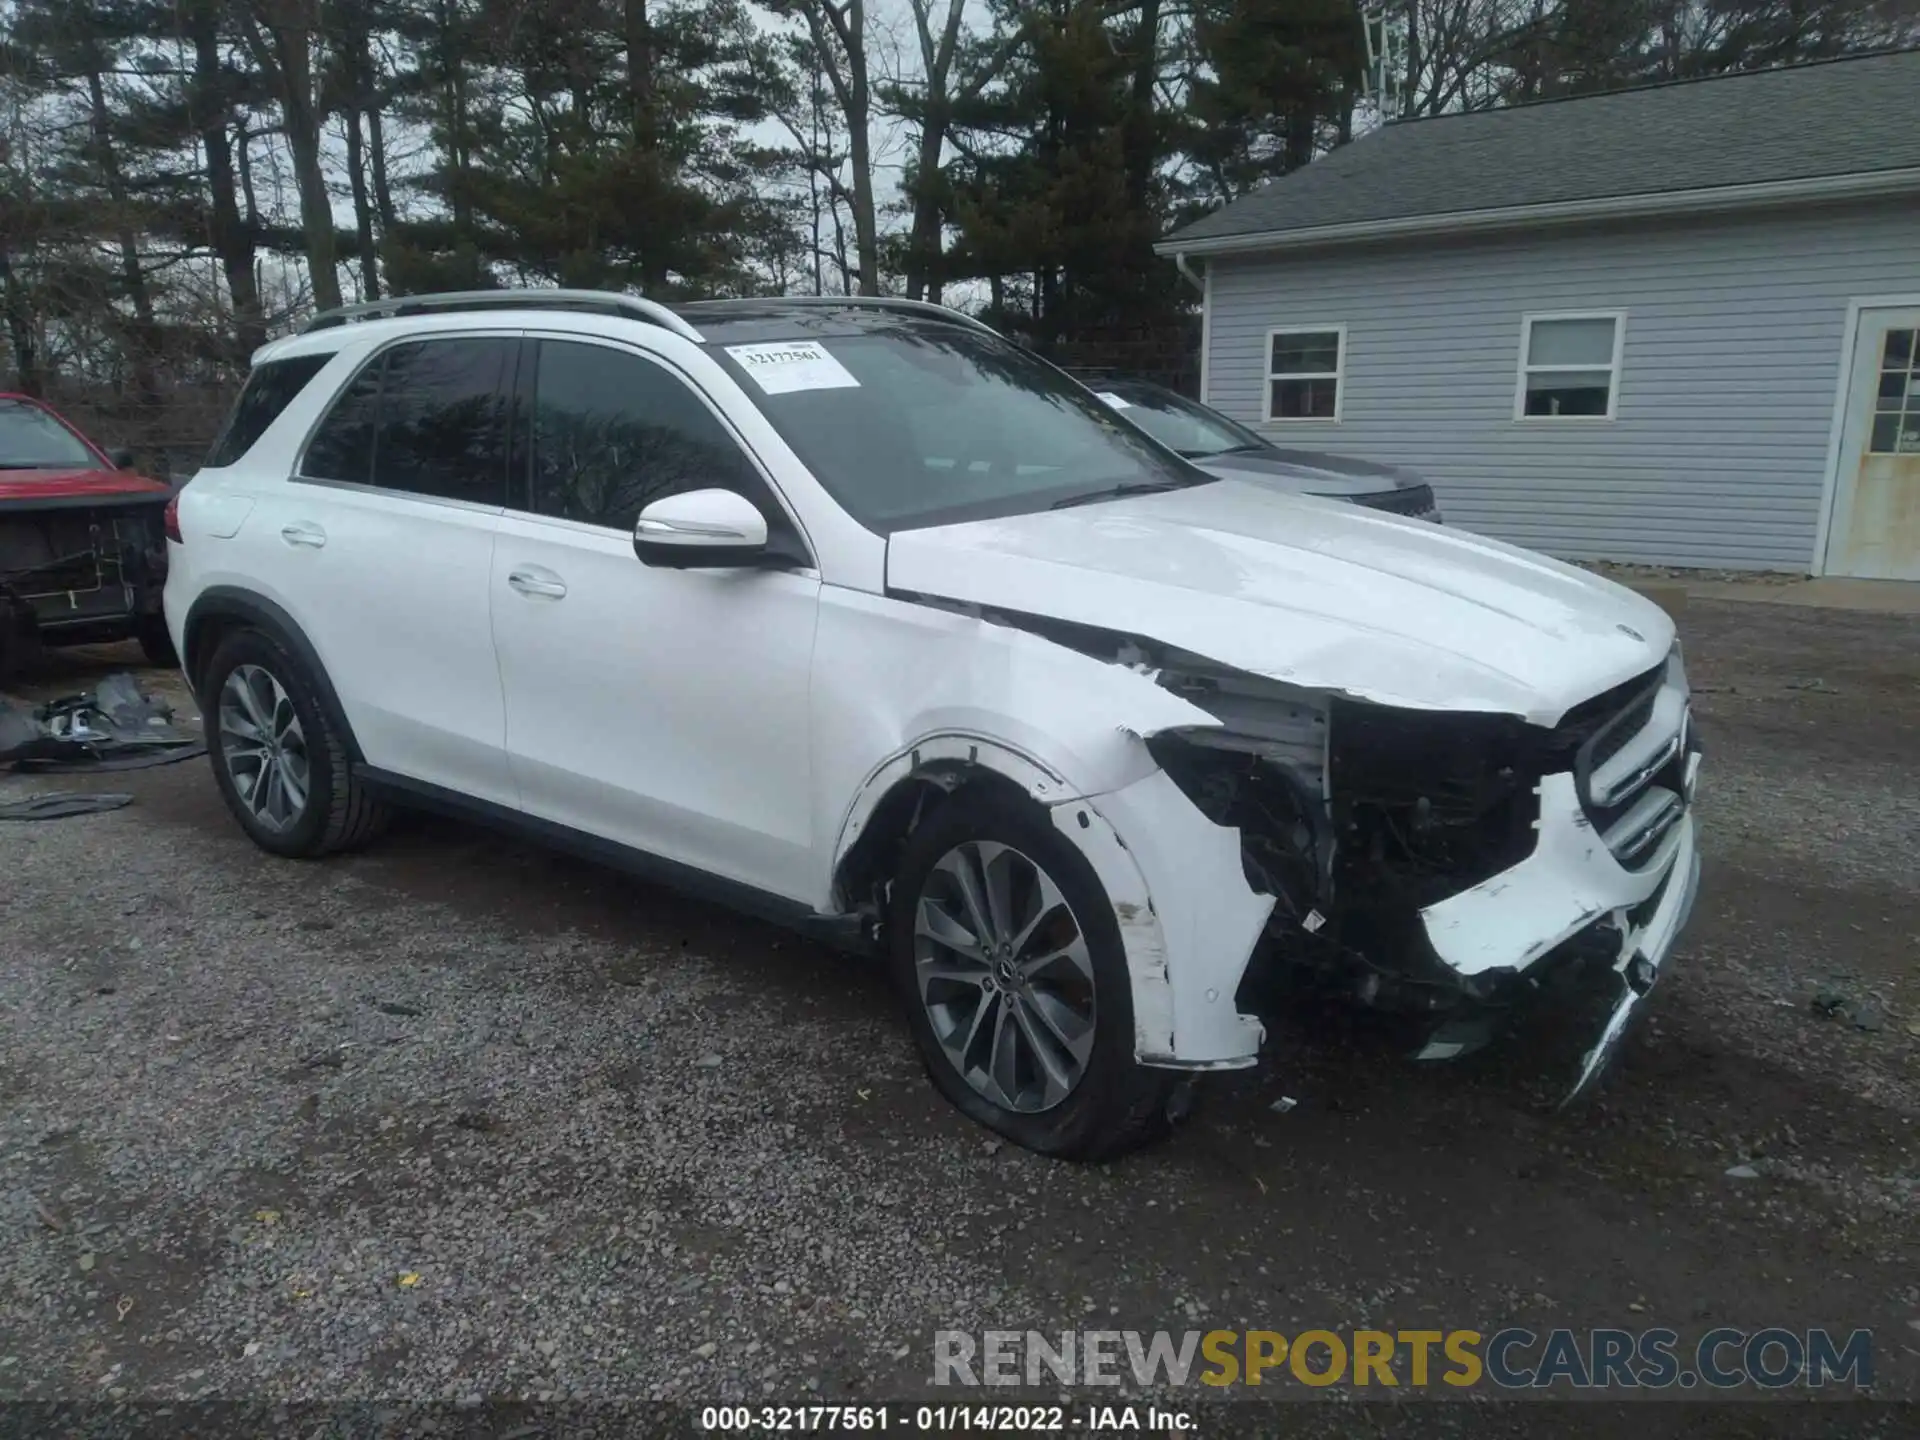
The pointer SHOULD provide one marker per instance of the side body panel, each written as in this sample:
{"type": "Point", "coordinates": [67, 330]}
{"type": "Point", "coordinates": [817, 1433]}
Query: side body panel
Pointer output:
{"type": "Point", "coordinates": [663, 709]}
{"type": "Point", "coordinates": [395, 602]}
{"type": "Point", "coordinates": [901, 689]}
{"type": "Point", "coordinates": [390, 589]}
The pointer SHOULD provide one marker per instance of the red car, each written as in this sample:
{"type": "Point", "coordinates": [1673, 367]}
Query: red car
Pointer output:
{"type": "Point", "coordinates": [83, 550]}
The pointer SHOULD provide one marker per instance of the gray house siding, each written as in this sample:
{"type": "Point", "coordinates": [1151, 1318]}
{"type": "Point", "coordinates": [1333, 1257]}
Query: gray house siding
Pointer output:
{"type": "Point", "coordinates": [1717, 454]}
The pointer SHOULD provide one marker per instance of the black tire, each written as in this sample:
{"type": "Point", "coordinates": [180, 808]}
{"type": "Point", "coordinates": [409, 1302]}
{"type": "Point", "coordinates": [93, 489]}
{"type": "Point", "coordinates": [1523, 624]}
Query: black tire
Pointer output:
{"type": "Point", "coordinates": [155, 643]}
{"type": "Point", "coordinates": [19, 640]}
{"type": "Point", "coordinates": [339, 813]}
{"type": "Point", "coordinates": [1118, 1105]}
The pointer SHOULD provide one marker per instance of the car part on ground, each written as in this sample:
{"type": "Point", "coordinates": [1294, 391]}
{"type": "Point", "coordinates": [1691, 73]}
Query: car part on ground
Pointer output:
{"type": "Point", "coordinates": [62, 804]}
{"type": "Point", "coordinates": [828, 610]}
{"type": "Point", "coordinates": [118, 726]}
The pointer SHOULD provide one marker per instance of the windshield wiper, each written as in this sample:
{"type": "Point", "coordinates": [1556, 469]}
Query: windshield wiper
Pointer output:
{"type": "Point", "coordinates": [1216, 454]}
{"type": "Point", "coordinates": [1116, 492]}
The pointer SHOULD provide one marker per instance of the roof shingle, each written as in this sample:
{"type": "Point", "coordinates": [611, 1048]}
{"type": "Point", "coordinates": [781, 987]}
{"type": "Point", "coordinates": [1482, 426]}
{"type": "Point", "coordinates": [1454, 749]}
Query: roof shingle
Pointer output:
{"type": "Point", "coordinates": [1838, 117]}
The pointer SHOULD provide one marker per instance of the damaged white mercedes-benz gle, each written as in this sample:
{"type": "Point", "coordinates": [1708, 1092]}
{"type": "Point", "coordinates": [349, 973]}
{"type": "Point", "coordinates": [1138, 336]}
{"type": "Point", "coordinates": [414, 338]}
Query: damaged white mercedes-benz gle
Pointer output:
{"type": "Point", "coordinates": [854, 614]}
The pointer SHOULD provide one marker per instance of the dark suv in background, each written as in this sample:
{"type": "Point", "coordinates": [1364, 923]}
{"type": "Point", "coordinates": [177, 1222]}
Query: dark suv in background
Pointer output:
{"type": "Point", "coordinates": [1230, 450]}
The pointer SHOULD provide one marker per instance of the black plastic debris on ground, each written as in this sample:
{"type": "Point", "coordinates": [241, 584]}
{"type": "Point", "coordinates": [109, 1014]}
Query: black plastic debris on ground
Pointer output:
{"type": "Point", "coordinates": [118, 726]}
{"type": "Point", "coordinates": [59, 804]}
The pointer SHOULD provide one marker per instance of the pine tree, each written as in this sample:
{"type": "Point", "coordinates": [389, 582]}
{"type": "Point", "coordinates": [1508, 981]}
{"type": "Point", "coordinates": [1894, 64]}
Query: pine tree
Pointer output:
{"type": "Point", "coordinates": [1284, 77]}
{"type": "Point", "coordinates": [1054, 205]}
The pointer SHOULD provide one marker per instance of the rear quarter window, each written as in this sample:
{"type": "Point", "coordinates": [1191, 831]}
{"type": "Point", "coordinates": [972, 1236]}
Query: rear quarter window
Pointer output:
{"type": "Point", "coordinates": [269, 390]}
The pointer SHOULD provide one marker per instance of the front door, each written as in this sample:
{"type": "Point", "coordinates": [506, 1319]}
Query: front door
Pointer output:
{"type": "Point", "coordinates": [665, 710]}
{"type": "Point", "coordinates": [1875, 532]}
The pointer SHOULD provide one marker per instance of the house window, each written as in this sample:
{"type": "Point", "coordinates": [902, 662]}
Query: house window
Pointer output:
{"type": "Point", "coordinates": [1303, 373]}
{"type": "Point", "coordinates": [1569, 366]}
{"type": "Point", "coordinates": [1896, 410]}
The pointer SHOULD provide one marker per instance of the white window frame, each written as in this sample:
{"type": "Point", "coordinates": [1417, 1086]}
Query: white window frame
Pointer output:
{"type": "Point", "coordinates": [1527, 322]}
{"type": "Point", "coordinates": [1338, 376]}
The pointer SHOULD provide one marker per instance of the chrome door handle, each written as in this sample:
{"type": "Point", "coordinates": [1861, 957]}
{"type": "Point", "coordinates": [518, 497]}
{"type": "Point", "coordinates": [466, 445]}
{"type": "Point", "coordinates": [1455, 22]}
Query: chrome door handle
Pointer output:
{"type": "Point", "coordinates": [303, 533]}
{"type": "Point", "coordinates": [533, 582]}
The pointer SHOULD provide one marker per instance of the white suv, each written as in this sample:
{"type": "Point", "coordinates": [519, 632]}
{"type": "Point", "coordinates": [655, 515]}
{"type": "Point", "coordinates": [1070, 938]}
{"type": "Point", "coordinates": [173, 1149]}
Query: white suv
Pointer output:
{"type": "Point", "coordinates": [855, 614]}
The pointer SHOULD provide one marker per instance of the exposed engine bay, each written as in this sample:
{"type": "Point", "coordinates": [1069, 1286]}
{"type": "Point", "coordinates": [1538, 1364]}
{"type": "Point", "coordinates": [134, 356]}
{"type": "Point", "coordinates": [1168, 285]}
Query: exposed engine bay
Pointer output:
{"type": "Point", "coordinates": [1382, 832]}
{"type": "Point", "coordinates": [78, 573]}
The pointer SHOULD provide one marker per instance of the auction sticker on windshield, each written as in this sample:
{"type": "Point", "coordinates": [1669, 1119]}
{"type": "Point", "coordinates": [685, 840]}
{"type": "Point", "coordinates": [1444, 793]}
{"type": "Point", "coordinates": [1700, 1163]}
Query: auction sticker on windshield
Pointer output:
{"type": "Point", "coordinates": [790, 365]}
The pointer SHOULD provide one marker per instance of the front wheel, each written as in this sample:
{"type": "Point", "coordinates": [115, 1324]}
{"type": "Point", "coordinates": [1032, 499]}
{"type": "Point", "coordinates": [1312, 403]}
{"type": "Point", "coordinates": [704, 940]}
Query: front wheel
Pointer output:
{"type": "Point", "coordinates": [1008, 957]}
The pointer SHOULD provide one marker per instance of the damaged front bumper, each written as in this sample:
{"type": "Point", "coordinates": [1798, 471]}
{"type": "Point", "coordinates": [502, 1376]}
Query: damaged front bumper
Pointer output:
{"type": "Point", "coordinates": [1643, 953]}
{"type": "Point", "coordinates": [1570, 906]}
{"type": "Point", "coordinates": [1587, 873]}
{"type": "Point", "coordinates": [1570, 881]}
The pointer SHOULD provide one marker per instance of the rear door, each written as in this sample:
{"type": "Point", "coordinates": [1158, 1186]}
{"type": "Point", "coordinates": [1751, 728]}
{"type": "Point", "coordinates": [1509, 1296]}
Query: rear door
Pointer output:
{"type": "Point", "coordinates": [383, 545]}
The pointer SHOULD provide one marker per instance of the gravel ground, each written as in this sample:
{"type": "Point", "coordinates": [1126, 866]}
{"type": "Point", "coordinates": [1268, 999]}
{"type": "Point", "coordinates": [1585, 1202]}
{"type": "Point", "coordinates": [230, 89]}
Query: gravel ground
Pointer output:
{"type": "Point", "coordinates": [457, 1119]}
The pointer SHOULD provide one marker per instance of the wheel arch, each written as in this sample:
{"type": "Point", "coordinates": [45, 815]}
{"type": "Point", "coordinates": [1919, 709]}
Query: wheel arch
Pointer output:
{"type": "Point", "coordinates": [222, 609]}
{"type": "Point", "coordinates": [902, 790]}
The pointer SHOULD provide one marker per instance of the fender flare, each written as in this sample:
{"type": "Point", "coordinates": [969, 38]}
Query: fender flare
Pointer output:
{"type": "Point", "coordinates": [1077, 817]}
{"type": "Point", "coordinates": [231, 602]}
{"type": "Point", "coordinates": [933, 754]}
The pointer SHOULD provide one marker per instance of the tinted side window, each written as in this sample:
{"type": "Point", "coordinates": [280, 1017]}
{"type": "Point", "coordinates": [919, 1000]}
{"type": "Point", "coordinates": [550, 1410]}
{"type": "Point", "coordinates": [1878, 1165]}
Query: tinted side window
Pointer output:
{"type": "Point", "coordinates": [268, 391]}
{"type": "Point", "coordinates": [442, 420]}
{"type": "Point", "coordinates": [342, 448]}
{"type": "Point", "coordinates": [612, 433]}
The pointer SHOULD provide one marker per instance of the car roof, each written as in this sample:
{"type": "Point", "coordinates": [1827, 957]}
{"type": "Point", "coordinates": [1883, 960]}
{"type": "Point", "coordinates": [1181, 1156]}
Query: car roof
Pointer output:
{"type": "Point", "coordinates": [796, 317]}
{"type": "Point", "coordinates": [704, 321]}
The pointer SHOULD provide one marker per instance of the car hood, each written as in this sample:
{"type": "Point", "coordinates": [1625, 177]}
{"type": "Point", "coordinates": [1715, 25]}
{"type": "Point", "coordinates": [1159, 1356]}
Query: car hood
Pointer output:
{"type": "Point", "coordinates": [77, 484]}
{"type": "Point", "coordinates": [1315, 593]}
{"type": "Point", "coordinates": [1309, 472]}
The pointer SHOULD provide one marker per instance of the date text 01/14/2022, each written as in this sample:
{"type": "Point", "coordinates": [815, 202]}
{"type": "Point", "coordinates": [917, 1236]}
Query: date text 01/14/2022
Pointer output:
{"type": "Point", "coordinates": [942, 1419]}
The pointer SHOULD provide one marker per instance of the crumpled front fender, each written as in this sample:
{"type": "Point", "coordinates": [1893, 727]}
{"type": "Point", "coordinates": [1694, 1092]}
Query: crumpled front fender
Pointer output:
{"type": "Point", "coordinates": [1188, 920]}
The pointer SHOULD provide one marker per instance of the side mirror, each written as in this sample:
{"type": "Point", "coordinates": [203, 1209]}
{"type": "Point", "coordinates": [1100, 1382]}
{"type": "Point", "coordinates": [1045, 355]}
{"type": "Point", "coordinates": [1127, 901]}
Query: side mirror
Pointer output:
{"type": "Point", "coordinates": [121, 459]}
{"type": "Point", "coordinates": [701, 529]}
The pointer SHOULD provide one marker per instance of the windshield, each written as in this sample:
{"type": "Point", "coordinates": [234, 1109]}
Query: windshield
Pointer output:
{"type": "Point", "coordinates": [31, 439]}
{"type": "Point", "coordinates": [1185, 425]}
{"type": "Point", "coordinates": [925, 425]}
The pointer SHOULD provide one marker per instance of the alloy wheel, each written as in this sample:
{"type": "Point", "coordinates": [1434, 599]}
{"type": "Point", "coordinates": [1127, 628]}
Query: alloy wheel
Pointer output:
{"type": "Point", "coordinates": [264, 747]}
{"type": "Point", "coordinates": [1005, 976]}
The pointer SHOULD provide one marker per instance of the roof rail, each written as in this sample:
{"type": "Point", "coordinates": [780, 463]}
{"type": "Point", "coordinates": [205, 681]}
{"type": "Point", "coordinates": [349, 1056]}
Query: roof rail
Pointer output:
{"type": "Point", "coordinates": [890, 302]}
{"type": "Point", "coordinates": [605, 302]}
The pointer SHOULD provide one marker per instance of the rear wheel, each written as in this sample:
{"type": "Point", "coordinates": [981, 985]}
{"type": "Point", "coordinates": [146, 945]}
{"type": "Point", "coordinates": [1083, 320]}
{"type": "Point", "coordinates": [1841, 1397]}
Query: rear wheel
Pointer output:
{"type": "Point", "coordinates": [1008, 957]}
{"type": "Point", "coordinates": [280, 765]}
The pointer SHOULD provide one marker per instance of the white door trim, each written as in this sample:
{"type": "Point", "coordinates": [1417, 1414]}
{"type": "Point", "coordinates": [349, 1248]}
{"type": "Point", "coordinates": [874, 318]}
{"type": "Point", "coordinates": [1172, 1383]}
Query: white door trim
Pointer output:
{"type": "Point", "coordinates": [1836, 430]}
